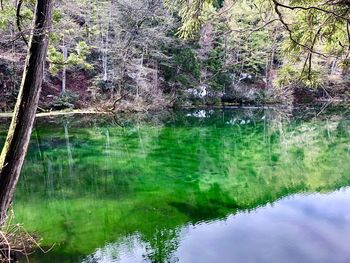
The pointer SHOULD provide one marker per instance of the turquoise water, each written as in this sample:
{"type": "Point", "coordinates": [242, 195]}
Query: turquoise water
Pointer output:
{"type": "Point", "coordinates": [236, 185]}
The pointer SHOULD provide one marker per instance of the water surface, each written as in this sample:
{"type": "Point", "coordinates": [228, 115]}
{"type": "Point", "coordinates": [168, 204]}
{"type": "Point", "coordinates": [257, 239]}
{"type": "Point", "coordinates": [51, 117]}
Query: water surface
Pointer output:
{"type": "Point", "coordinates": [239, 185]}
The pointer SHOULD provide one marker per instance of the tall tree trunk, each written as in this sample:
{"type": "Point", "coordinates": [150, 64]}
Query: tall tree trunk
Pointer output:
{"type": "Point", "coordinates": [106, 45]}
{"type": "Point", "coordinates": [16, 145]}
{"type": "Point", "coordinates": [64, 70]}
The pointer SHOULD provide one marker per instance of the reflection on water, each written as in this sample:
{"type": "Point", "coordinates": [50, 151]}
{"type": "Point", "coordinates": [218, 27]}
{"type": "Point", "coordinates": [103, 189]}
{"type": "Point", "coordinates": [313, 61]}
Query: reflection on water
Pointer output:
{"type": "Point", "coordinates": [314, 228]}
{"type": "Point", "coordinates": [196, 186]}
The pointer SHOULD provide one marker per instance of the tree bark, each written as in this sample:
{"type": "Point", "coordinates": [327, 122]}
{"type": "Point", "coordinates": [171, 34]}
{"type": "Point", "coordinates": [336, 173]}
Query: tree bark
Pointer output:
{"type": "Point", "coordinates": [16, 145]}
{"type": "Point", "coordinates": [64, 71]}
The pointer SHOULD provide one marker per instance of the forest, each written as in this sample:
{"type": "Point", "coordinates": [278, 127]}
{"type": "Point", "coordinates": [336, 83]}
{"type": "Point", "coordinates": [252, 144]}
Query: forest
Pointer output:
{"type": "Point", "coordinates": [169, 131]}
{"type": "Point", "coordinates": [125, 55]}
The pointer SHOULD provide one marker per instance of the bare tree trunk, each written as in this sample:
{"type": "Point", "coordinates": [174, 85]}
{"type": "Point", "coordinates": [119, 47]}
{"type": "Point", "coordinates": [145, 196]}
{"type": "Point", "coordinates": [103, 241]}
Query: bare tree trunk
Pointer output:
{"type": "Point", "coordinates": [139, 75]}
{"type": "Point", "coordinates": [16, 145]}
{"type": "Point", "coordinates": [106, 45]}
{"type": "Point", "coordinates": [64, 70]}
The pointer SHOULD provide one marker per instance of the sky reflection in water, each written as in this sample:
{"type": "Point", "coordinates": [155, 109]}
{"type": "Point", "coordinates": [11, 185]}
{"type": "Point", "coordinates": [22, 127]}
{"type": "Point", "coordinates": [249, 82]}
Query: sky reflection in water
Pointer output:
{"type": "Point", "coordinates": [301, 228]}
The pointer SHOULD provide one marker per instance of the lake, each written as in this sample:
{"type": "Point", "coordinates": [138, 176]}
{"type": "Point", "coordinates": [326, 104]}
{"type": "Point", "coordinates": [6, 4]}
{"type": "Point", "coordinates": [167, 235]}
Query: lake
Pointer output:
{"type": "Point", "coordinates": [232, 185]}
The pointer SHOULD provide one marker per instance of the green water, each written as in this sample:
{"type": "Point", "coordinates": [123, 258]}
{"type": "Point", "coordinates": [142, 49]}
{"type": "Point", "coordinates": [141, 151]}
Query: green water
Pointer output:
{"type": "Point", "coordinates": [239, 185]}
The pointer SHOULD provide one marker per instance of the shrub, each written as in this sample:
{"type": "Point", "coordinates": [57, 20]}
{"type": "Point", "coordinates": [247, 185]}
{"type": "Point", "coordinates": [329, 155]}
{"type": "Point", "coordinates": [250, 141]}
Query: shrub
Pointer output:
{"type": "Point", "coordinates": [65, 101]}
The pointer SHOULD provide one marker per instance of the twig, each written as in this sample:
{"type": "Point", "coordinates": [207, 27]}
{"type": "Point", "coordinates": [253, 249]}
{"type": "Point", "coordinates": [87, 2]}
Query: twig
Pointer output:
{"type": "Point", "coordinates": [8, 246]}
{"type": "Point", "coordinates": [18, 21]}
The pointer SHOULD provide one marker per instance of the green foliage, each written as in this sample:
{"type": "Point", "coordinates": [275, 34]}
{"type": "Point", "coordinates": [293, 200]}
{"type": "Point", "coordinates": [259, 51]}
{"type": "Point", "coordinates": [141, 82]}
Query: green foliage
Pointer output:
{"type": "Point", "coordinates": [303, 29]}
{"type": "Point", "coordinates": [57, 60]}
{"type": "Point", "coordinates": [6, 16]}
{"type": "Point", "coordinates": [287, 75]}
{"type": "Point", "coordinates": [187, 61]}
{"type": "Point", "coordinates": [76, 58]}
{"type": "Point", "coordinates": [313, 79]}
{"type": "Point", "coordinates": [250, 49]}
{"type": "Point", "coordinates": [65, 100]}
{"type": "Point", "coordinates": [220, 81]}
{"type": "Point", "coordinates": [190, 15]}
{"type": "Point", "coordinates": [221, 76]}
{"type": "Point", "coordinates": [183, 80]}
{"type": "Point", "coordinates": [57, 16]}
{"type": "Point", "coordinates": [215, 59]}
{"type": "Point", "coordinates": [103, 86]}
{"type": "Point", "coordinates": [290, 75]}
{"type": "Point", "coordinates": [218, 3]}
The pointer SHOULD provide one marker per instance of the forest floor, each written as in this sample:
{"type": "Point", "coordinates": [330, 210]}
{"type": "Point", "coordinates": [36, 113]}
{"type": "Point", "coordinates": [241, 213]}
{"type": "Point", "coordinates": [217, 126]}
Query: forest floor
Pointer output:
{"type": "Point", "coordinates": [78, 83]}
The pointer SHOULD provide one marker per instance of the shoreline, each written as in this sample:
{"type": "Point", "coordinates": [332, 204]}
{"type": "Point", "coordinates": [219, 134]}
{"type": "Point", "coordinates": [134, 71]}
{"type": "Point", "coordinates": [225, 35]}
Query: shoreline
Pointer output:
{"type": "Point", "coordinates": [57, 113]}
{"type": "Point", "coordinates": [4, 115]}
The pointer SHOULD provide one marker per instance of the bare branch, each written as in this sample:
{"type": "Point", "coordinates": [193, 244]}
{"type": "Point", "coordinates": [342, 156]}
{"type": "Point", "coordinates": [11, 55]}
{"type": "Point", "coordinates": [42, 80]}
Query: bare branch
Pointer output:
{"type": "Point", "coordinates": [18, 21]}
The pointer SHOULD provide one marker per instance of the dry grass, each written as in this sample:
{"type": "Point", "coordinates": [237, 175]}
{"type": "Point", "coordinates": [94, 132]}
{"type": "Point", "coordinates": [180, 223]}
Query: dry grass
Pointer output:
{"type": "Point", "coordinates": [16, 242]}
